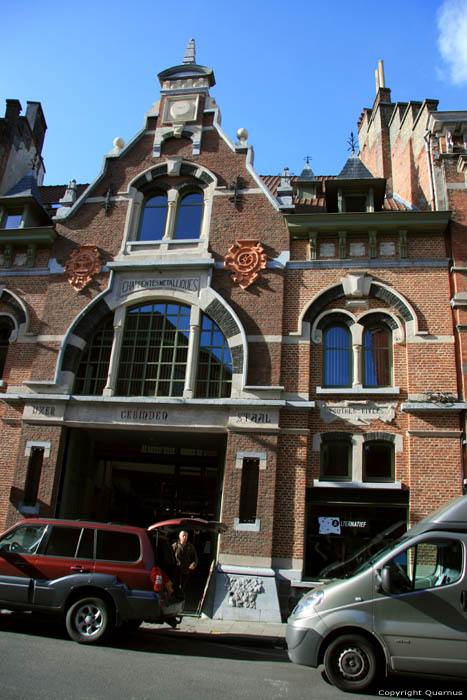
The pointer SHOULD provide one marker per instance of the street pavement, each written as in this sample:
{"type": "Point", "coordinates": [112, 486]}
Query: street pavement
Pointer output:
{"type": "Point", "coordinates": [245, 632]}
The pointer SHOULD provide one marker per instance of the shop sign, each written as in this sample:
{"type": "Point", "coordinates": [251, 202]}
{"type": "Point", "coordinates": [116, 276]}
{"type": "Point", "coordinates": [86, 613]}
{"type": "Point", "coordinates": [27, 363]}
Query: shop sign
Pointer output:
{"type": "Point", "coordinates": [185, 284]}
{"type": "Point", "coordinates": [357, 412]}
{"type": "Point", "coordinates": [333, 526]}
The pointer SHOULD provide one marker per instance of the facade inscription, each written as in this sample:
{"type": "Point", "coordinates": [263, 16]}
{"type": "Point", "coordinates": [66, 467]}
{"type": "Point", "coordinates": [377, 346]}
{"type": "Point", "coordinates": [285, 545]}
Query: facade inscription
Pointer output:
{"type": "Point", "coordinates": [186, 284]}
{"type": "Point", "coordinates": [357, 412]}
{"type": "Point", "coordinates": [133, 414]}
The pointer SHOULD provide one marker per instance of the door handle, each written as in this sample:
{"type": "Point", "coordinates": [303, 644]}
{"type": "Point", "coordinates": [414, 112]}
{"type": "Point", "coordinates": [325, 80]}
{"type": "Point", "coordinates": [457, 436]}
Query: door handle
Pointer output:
{"type": "Point", "coordinates": [464, 599]}
{"type": "Point", "coordinates": [79, 569]}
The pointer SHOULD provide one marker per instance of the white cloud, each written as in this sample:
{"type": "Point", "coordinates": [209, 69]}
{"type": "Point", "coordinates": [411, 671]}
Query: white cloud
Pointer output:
{"type": "Point", "coordinates": [452, 40]}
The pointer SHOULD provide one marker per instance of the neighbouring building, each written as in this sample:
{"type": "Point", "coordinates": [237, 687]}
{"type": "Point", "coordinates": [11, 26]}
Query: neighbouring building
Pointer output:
{"type": "Point", "coordinates": [185, 337]}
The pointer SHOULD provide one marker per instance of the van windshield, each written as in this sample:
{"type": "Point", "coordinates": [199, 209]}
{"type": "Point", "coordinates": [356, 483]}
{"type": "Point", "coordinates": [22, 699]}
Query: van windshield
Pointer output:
{"type": "Point", "coordinates": [366, 555]}
{"type": "Point", "coordinates": [375, 557]}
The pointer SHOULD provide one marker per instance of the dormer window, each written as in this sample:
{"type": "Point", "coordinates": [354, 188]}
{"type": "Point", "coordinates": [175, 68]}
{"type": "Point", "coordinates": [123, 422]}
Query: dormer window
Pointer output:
{"type": "Point", "coordinates": [12, 219]}
{"type": "Point", "coordinates": [355, 203]}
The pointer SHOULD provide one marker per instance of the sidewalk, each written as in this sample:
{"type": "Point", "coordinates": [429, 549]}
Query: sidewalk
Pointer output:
{"type": "Point", "coordinates": [247, 632]}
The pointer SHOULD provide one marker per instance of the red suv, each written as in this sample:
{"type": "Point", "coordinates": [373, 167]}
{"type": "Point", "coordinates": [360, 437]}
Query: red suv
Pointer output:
{"type": "Point", "coordinates": [96, 575]}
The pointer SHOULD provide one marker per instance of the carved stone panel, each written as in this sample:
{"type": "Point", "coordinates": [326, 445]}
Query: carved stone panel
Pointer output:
{"type": "Point", "coordinates": [82, 265]}
{"type": "Point", "coordinates": [246, 258]}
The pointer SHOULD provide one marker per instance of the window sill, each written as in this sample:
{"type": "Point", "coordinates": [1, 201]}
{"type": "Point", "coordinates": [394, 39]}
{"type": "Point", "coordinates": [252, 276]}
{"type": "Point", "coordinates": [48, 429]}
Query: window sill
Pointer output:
{"type": "Point", "coordinates": [247, 527]}
{"type": "Point", "coordinates": [358, 484]}
{"type": "Point", "coordinates": [359, 390]}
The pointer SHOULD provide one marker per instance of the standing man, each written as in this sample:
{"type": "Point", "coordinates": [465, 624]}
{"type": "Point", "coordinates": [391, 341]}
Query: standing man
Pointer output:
{"type": "Point", "coordinates": [187, 559]}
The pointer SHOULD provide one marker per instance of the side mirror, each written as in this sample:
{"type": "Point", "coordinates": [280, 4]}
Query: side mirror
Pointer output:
{"type": "Point", "coordinates": [383, 581]}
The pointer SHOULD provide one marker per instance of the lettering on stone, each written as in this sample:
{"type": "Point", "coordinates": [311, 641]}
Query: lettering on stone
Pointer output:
{"type": "Point", "coordinates": [256, 418]}
{"type": "Point", "coordinates": [47, 411]}
{"type": "Point", "coordinates": [243, 591]}
{"type": "Point", "coordinates": [134, 414]}
{"type": "Point", "coordinates": [185, 284]}
{"type": "Point", "coordinates": [357, 412]}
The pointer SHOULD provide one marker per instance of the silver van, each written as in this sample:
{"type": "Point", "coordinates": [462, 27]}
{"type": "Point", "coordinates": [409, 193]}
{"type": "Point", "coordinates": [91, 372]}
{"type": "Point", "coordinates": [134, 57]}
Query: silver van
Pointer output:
{"type": "Point", "coordinates": [404, 610]}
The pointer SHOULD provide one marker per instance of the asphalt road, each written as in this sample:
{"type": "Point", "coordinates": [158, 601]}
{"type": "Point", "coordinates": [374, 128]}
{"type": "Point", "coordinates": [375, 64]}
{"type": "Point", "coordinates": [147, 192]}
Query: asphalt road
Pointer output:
{"type": "Point", "coordinates": [39, 662]}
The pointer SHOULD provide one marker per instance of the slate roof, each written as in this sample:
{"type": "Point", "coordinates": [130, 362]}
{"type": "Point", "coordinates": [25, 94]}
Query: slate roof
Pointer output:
{"type": "Point", "coordinates": [354, 169]}
{"type": "Point", "coordinates": [26, 187]}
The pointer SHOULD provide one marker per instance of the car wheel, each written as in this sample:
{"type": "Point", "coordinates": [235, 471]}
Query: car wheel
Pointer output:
{"type": "Point", "coordinates": [351, 663]}
{"type": "Point", "coordinates": [89, 620]}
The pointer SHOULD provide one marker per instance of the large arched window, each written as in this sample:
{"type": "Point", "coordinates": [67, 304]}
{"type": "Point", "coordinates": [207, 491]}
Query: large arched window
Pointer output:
{"type": "Point", "coordinates": [377, 357]}
{"type": "Point", "coordinates": [153, 355]}
{"type": "Point", "coordinates": [6, 326]}
{"type": "Point", "coordinates": [189, 216]}
{"type": "Point", "coordinates": [154, 350]}
{"type": "Point", "coordinates": [337, 357]}
{"type": "Point", "coordinates": [91, 376]}
{"type": "Point", "coordinates": [154, 218]}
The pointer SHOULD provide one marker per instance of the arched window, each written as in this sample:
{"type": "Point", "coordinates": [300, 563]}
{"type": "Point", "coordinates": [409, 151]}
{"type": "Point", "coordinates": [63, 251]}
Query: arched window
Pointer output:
{"type": "Point", "coordinates": [378, 461]}
{"type": "Point", "coordinates": [153, 355]}
{"type": "Point", "coordinates": [154, 219]}
{"type": "Point", "coordinates": [337, 357]}
{"type": "Point", "coordinates": [6, 326]}
{"type": "Point", "coordinates": [377, 357]}
{"type": "Point", "coordinates": [189, 216]}
{"type": "Point", "coordinates": [336, 459]}
{"type": "Point", "coordinates": [91, 376]}
{"type": "Point", "coordinates": [154, 350]}
{"type": "Point", "coordinates": [214, 362]}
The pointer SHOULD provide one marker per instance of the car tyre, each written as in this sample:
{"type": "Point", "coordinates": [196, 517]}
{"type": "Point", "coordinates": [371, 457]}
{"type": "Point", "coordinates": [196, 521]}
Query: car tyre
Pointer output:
{"type": "Point", "coordinates": [352, 663]}
{"type": "Point", "coordinates": [89, 620]}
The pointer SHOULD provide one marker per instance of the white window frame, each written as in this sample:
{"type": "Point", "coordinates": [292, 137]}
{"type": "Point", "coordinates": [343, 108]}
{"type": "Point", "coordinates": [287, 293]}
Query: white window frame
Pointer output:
{"type": "Point", "coordinates": [357, 443]}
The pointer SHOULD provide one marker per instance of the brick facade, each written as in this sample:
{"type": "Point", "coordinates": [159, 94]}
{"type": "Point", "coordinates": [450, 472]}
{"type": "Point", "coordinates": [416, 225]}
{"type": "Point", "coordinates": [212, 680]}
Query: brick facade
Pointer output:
{"type": "Point", "coordinates": [394, 266]}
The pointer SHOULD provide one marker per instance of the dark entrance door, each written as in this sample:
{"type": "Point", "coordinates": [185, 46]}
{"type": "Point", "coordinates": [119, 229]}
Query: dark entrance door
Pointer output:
{"type": "Point", "coordinates": [141, 477]}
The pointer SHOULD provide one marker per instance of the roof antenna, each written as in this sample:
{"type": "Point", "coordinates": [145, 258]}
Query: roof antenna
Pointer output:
{"type": "Point", "coordinates": [190, 53]}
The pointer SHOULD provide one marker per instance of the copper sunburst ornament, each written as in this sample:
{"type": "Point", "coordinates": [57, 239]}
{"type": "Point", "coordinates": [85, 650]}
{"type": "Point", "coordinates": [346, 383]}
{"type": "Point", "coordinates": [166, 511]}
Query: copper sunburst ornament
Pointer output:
{"type": "Point", "coordinates": [245, 258]}
{"type": "Point", "coordinates": [82, 265]}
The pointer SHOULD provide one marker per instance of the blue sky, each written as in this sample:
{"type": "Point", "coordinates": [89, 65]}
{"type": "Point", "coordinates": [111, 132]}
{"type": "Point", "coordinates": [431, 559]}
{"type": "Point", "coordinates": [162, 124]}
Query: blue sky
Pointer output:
{"type": "Point", "coordinates": [295, 75]}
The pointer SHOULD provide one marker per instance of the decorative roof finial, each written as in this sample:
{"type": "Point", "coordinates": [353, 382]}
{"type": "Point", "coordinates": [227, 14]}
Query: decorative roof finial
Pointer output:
{"type": "Point", "coordinates": [190, 53]}
{"type": "Point", "coordinates": [352, 141]}
{"type": "Point", "coordinates": [307, 162]}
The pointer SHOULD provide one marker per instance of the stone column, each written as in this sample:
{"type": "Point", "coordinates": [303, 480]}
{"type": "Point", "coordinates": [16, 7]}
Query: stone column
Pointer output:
{"type": "Point", "coordinates": [119, 319]}
{"type": "Point", "coordinates": [193, 352]}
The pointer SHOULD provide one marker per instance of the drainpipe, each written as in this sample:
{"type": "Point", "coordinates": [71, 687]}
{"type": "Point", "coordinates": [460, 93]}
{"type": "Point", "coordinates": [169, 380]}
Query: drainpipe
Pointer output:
{"type": "Point", "coordinates": [427, 139]}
